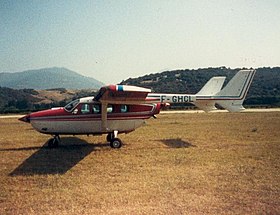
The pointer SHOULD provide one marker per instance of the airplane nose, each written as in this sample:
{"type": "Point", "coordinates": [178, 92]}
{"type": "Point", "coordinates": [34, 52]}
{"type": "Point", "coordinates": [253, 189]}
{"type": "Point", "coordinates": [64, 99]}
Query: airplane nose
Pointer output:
{"type": "Point", "coordinates": [25, 118]}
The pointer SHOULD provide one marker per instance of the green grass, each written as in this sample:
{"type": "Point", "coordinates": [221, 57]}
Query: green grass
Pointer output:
{"type": "Point", "coordinates": [219, 163]}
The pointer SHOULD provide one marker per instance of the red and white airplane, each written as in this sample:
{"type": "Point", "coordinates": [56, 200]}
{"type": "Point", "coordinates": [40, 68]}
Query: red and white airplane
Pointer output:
{"type": "Point", "coordinates": [121, 108]}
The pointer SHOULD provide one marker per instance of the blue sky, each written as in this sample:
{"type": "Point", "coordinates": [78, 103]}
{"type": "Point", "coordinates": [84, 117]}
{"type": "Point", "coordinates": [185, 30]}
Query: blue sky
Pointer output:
{"type": "Point", "coordinates": [114, 40]}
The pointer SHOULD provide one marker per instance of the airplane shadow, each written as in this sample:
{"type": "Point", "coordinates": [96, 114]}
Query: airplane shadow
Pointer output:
{"type": "Point", "coordinates": [176, 143]}
{"type": "Point", "coordinates": [54, 161]}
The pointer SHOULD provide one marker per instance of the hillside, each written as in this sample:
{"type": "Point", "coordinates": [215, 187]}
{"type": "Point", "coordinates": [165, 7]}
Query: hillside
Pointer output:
{"type": "Point", "coordinates": [48, 78]}
{"type": "Point", "coordinates": [265, 89]}
{"type": "Point", "coordinates": [26, 100]}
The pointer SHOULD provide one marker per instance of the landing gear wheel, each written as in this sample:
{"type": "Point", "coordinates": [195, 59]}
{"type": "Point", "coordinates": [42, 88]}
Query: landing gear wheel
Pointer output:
{"type": "Point", "coordinates": [109, 137]}
{"type": "Point", "coordinates": [116, 143]}
{"type": "Point", "coordinates": [54, 142]}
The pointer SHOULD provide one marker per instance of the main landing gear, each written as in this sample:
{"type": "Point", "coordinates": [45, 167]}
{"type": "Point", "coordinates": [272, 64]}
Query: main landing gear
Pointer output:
{"type": "Point", "coordinates": [54, 142]}
{"type": "Point", "coordinates": [115, 142]}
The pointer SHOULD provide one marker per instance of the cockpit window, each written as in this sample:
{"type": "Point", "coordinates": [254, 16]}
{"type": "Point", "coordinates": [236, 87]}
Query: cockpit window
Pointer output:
{"type": "Point", "coordinates": [124, 108]}
{"type": "Point", "coordinates": [110, 108]}
{"type": "Point", "coordinates": [85, 109]}
{"type": "Point", "coordinates": [96, 108]}
{"type": "Point", "coordinates": [69, 107]}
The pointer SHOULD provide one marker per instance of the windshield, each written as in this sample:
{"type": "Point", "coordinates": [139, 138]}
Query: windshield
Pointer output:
{"type": "Point", "coordinates": [69, 107]}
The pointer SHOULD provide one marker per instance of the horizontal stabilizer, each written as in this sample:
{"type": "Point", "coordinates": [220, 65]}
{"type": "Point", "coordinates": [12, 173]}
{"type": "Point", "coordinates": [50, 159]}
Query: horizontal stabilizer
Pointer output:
{"type": "Point", "coordinates": [207, 106]}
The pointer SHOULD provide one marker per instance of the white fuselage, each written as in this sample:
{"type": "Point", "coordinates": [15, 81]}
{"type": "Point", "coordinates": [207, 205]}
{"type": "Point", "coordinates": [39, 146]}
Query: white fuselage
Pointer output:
{"type": "Point", "coordinates": [86, 118]}
{"type": "Point", "coordinates": [87, 126]}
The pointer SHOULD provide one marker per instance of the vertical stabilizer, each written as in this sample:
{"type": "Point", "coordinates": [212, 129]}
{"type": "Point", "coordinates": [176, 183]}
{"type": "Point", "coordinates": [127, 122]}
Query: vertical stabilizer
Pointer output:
{"type": "Point", "coordinates": [213, 86]}
{"type": "Point", "coordinates": [231, 97]}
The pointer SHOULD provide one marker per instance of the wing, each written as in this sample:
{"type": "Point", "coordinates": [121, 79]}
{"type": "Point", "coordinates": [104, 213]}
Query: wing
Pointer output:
{"type": "Point", "coordinates": [122, 94]}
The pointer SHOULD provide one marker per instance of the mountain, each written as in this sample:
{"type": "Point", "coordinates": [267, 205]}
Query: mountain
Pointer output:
{"type": "Point", "coordinates": [265, 88]}
{"type": "Point", "coordinates": [48, 78]}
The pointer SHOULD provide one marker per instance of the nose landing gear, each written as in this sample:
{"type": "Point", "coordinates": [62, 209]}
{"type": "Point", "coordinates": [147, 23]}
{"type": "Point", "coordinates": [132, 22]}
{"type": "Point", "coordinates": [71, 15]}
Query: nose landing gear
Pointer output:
{"type": "Point", "coordinates": [54, 142]}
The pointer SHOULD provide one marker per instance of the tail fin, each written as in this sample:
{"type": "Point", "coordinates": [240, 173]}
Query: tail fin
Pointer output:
{"type": "Point", "coordinates": [231, 97]}
{"type": "Point", "coordinates": [212, 87]}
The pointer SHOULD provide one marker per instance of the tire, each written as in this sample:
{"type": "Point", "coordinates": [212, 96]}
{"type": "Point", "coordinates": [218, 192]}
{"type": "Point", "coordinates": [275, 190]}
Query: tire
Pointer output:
{"type": "Point", "coordinates": [116, 143]}
{"type": "Point", "coordinates": [109, 137]}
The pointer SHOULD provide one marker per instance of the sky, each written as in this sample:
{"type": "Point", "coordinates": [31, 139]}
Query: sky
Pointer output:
{"type": "Point", "coordinates": [119, 39]}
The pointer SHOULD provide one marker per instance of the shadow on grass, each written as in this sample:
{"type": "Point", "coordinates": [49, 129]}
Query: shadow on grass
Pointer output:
{"type": "Point", "coordinates": [54, 161]}
{"type": "Point", "coordinates": [176, 143]}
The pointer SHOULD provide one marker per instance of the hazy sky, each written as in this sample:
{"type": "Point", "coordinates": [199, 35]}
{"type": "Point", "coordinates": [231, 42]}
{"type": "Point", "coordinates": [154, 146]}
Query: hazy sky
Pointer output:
{"type": "Point", "coordinates": [118, 39]}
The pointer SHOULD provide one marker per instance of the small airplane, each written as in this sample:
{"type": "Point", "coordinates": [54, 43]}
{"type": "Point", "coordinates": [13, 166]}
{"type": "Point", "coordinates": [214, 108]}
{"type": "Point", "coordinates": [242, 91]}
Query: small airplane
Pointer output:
{"type": "Point", "coordinates": [122, 108]}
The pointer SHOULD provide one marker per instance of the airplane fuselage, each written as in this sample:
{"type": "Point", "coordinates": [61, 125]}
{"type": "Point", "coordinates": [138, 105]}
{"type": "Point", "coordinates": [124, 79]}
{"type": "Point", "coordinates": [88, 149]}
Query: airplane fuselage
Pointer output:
{"type": "Point", "coordinates": [85, 118]}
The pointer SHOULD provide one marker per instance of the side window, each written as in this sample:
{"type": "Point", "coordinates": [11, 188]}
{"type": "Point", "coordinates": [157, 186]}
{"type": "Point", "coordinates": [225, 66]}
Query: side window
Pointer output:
{"type": "Point", "coordinates": [110, 108]}
{"type": "Point", "coordinates": [124, 108]}
{"type": "Point", "coordinates": [85, 109]}
{"type": "Point", "coordinates": [96, 108]}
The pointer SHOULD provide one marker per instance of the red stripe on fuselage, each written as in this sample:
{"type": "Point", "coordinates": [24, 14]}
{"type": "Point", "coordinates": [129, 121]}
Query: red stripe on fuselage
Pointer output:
{"type": "Point", "coordinates": [91, 118]}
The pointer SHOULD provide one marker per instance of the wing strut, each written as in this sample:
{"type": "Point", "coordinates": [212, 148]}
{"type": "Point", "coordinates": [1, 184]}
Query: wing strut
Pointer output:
{"type": "Point", "coordinates": [104, 127]}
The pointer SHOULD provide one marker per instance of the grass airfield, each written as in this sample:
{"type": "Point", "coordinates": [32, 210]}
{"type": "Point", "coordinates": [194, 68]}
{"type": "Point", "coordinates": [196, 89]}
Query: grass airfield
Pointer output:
{"type": "Point", "coordinates": [215, 163]}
